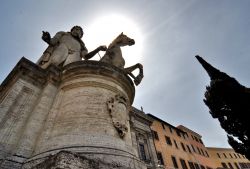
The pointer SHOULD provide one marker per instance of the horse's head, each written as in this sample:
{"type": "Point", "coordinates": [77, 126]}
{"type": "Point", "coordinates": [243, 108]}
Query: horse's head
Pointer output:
{"type": "Point", "coordinates": [123, 40]}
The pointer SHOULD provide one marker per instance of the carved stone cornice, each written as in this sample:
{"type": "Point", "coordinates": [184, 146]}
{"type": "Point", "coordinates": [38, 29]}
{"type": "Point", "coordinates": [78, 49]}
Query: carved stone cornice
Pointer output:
{"type": "Point", "coordinates": [141, 116]}
{"type": "Point", "coordinates": [31, 72]}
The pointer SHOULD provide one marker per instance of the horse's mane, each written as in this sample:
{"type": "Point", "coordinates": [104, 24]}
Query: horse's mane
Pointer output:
{"type": "Point", "coordinates": [114, 41]}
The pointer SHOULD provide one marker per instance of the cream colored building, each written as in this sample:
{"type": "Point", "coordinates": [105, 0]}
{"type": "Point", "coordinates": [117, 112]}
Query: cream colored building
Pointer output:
{"type": "Point", "coordinates": [228, 158]}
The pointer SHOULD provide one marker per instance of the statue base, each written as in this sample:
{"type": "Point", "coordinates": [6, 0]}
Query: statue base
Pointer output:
{"type": "Point", "coordinates": [78, 114]}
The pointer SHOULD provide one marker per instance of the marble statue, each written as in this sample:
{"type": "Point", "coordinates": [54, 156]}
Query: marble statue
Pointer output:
{"type": "Point", "coordinates": [65, 48]}
{"type": "Point", "coordinates": [113, 56]}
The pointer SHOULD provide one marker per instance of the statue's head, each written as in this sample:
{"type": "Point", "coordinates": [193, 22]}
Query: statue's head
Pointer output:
{"type": "Point", "coordinates": [77, 31]}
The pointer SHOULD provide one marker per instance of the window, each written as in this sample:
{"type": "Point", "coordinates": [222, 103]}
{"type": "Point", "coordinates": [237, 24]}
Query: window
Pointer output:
{"type": "Point", "coordinates": [178, 133]}
{"type": "Point", "coordinates": [196, 166]}
{"type": "Point", "coordinates": [200, 141]}
{"type": "Point", "coordinates": [225, 155]}
{"type": "Point", "coordinates": [206, 153]}
{"type": "Point", "coordinates": [193, 148]}
{"type": "Point", "coordinates": [176, 144]}
{"type": "Point", "coordinates": [159, 157]}
{"type": "Point", "coordinates": [218, 155]}
{"type": "Point", "coordinates": [142, 152]}
{"type": "Point", "coordinates": [224, 165]}
{"type": "Point", "coordinates": [238, 155]}
{"type": "Point", "coordinates": [230, 155]}
{"type": "Point", "coordinates": [202, 167]}
{"type": "Point", "coordinates": [236, 165]}
{"type": "Point", "coordinates": [202, 152]}
{"type": "Point", "coordinates": [170, 129]}
{"type": "Point", "coordinates": [163, 126]}
{"type": "Point", "coordinates": [192, 137]}
{"type": "Point", "coordinates": [183, 164]}
{"type": "Point", "coordinates": [189, 149]}
{"type": "Point", "coordinates": [174, 162]}
{"type": "Point", "coordinates": [155, 135]}
{"type": "Point", "coordinates": [191, 165]}
{"type": "Point", "coordinates": [199, 150]}
{"type": "Point", "coordinates": [235, 155]}
{"type": "Point", "coordinates": [168, 140]}
{"type": "Point", "coordinates": [230, 165]}
{"type": "Point", "coordinates": [183, 147]}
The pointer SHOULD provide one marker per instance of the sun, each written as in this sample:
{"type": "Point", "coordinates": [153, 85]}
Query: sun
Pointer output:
{"type": "Point", "coordinates": [105, 29]}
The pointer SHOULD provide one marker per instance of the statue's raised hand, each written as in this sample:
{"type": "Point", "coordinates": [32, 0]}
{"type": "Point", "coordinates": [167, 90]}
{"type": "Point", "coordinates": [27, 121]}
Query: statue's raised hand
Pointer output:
{"type": "Point", "coordinates": [46, 37]}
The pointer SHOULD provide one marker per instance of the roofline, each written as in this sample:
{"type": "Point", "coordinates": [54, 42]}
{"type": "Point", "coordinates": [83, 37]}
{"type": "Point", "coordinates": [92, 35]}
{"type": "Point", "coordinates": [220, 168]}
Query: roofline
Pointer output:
{"type": "Point", "coordinates": [142, 115]}
{"type": "Point", "coordinates": [190, 130]}
{"type": "Point", "coordinates": [162, 121]}
{"type": "Point", "coordinates": [220, 148]}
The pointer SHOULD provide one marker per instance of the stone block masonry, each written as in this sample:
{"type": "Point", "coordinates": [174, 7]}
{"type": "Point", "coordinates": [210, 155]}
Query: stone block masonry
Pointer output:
{"type": "Point", "coordinates": [46, 111]}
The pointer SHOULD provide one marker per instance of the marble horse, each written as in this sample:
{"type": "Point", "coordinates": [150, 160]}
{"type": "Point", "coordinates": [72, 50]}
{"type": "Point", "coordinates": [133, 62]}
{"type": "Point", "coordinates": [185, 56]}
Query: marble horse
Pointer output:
{"type": "Point", "coordinates": [113, 55]}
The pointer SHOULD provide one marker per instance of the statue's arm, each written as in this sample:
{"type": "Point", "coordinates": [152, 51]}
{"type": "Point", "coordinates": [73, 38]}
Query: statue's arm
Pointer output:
{"type": "Point", "coordinates": [52, 41]}
{"type": "Point", "coordinates": [94, 52]}
{"type": "Point", "coordinates": [56, 38]}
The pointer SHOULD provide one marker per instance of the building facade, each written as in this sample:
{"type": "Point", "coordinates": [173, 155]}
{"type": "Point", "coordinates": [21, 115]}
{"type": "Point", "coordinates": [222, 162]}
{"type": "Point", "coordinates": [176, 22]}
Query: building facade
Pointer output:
{"type": "Point", "coordinates": [182, 148]}
{"type": "Point", "coordinates": [142, 138]}
{"type": "Point", "coordinates": [228, 158]}
{"type": "Point", "coordinates": [179, 147]}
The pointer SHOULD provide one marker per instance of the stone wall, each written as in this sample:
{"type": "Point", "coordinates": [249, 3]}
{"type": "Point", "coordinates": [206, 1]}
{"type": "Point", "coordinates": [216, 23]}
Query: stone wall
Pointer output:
{"type": "Point", "coordinates": [82, 108]}
{"type": "Point", "coordinates": [25, 99]}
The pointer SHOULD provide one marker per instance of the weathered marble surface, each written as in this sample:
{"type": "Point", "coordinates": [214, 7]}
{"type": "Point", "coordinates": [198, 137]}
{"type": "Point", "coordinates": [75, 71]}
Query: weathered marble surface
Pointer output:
{"type": "Point", "coordinates": [25, 98]}
{"type": "Point", "coordinates": [69, 160]}
{"type": "Point", "coordinates": [65, 48]}
{"type": "Point", "coordinates": [45, 111]}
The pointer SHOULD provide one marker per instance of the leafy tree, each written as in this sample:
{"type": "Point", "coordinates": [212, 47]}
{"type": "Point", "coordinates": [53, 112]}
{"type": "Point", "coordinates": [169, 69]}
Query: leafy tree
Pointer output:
{"type": "Point", "coordinates": [229, 102]}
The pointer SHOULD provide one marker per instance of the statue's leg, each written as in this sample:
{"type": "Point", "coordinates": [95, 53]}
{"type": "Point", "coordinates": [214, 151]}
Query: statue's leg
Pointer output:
{"type": "Point", "coordinates": [72, 58]}
{"type": "Point", "coordinates": [59, 55]}
{"type": "Point", "coordinates": [138, 78]}
{"type": "Point", "coordinates": [131, 68]}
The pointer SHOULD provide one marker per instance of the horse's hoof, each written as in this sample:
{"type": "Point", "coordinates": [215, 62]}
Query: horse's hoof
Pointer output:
{"type": "Point", "coordinates": [140, 66]}
{"type": "Point", "coordinates": [138, 80]}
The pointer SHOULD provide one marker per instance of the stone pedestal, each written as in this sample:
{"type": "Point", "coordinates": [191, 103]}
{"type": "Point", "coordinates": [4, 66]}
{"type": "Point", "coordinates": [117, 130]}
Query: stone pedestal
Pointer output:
{"type": "Point", "coordinates": [82, 108]}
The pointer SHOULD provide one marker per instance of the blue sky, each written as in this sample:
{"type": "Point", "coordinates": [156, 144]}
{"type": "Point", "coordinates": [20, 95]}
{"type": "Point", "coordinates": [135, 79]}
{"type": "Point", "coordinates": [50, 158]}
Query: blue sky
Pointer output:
{"type": "Point", "coordinates": [173, 32]}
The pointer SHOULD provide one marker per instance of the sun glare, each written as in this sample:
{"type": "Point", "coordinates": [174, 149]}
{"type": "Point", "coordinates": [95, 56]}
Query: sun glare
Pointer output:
{"type": "Point", "coordinates": [105, 29]}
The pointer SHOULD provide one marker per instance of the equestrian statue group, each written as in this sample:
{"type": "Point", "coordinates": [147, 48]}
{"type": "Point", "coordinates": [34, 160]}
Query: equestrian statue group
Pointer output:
{"type": "Point", "coordinates": [67, 47]}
